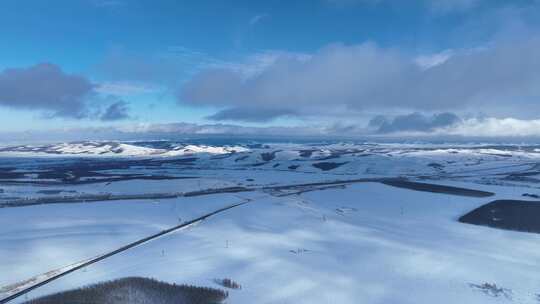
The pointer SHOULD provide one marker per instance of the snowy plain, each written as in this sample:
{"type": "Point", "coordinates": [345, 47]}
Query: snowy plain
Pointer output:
{"type": "Point", "coordinates": [355, 242]}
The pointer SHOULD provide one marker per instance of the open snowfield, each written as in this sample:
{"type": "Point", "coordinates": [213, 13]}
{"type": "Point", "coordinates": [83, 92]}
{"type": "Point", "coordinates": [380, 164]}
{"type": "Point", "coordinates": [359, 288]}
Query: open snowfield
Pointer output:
{"type": "Point", "coordinates": [356, 241]}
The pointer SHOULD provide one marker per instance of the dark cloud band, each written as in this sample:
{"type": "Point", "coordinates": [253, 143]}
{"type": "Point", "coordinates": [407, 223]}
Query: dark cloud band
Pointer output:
{"type": "Point", "coordinates": [367, 77]}
{"type": "Point", "coordinates": [45, 87]}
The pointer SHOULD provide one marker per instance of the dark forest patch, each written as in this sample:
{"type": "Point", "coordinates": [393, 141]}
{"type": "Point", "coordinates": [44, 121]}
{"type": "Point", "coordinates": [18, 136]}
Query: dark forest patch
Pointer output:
{"type": "Point", "coordinates": [506, 214]}
{"type": "Point", "coordinates": [228, 283]}
{"type": "Point", "coordinates": [55, 191]}
{"type": "Point", "coordinates": [9, 173]}
{"type": "Point", "coordinates": [326, 166]}
{"type": "Point", "coordinates": [136, 291]}
{"type": "Point", "coordinates": [436, 166]}
{"type": "Point", "coordinates": [268, 156]}
{"type": "Point", "coordinates": [241, 158]}
{"type": "Point", "coordinates": [306, 153]}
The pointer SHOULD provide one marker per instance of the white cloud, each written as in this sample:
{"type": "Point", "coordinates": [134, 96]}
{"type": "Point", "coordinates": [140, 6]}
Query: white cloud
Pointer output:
{"type": "Point", "coordinates": [445, 6]}
{"type": "Point", "coordinates": [358, 78]}
{"type": "Point", "coordinates": [494, 127]}
{"type": "Point", "coordinates": [479, 128]}
{"type": "Point", "coordinates": [109, 3]}
{"type": "Point", "coordinates": [475, 127]}
{"type": "Point", "coordinates": [46, 87]}
{"type": "Point", "coordinates": [434, 6]}
{"type": "Point", "coordinates": [433, 60]}
{"type": "Point", "coordinates": [257, 18]}
{"type": "Point", "coordinates": [344, 3]}
{"type": "Point", "coordinates": [144, 129]}
{"type": "Point", "coordinates": [125, 88]}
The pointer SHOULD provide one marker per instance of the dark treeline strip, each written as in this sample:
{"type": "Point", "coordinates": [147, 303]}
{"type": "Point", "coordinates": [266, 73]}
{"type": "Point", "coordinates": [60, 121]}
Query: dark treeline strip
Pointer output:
{"type": "Point", "coordinates": [135, 290]}
{"type": "Point", "coordinates": [402, 183]}
{"type": "Point", "coordinates": [395, 182]}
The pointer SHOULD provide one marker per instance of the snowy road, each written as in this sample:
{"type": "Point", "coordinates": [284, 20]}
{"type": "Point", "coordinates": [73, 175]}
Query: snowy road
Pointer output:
{"type": "Point", "coordinates": [23, 289]}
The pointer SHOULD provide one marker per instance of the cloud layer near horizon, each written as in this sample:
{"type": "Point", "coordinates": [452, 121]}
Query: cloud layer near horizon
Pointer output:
{"type": "Point", "coordinates": [486, 129]}
{"type": "Point", "coordinates": [501, 78]}
{"type": "Point", "coordinates": [439, 126]}
{"type": "Point", "coordinates": [416, 122]}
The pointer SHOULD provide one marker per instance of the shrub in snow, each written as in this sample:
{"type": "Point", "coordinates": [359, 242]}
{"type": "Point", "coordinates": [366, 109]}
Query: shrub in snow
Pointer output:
{"type": "Point", "coordinates": [492, 290]}
{"type": "Point", "coordinates": [228, 283]}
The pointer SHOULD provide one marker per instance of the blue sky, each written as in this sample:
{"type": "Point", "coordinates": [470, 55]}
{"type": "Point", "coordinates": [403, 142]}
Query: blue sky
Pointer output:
{"type": "Point", "coordinates": [332, 63]}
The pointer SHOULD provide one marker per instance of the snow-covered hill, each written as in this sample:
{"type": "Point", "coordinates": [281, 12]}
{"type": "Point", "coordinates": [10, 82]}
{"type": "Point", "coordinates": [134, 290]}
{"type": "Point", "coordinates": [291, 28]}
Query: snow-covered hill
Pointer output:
{"type": "Point", "coordinates": [338, 158]}
{"type": "Point", "coordinates": [94, 148]}
{"type": "Point", "coordinates": [365, 240]}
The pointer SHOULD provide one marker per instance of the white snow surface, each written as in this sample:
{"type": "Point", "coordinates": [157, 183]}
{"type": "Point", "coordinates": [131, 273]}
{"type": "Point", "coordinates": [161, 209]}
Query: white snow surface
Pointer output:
{"type": "Point", "coordinates": [96, 148]}
{"type": "Point", "coordinates": [361, 243]}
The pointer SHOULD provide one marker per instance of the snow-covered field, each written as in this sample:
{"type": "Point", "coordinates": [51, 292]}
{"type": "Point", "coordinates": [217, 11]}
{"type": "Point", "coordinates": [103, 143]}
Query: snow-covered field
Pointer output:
{"type": "Point", "coordinates": [355, 242]}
